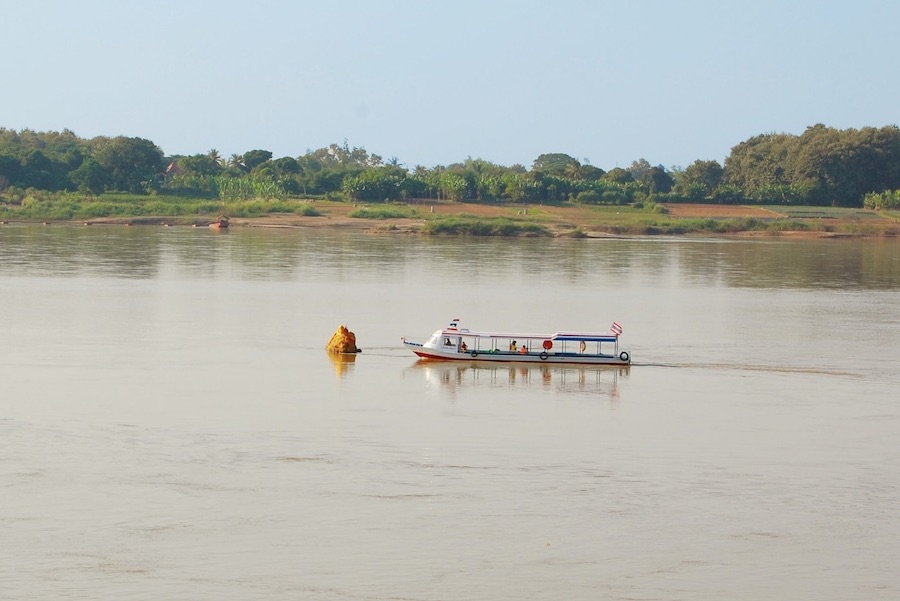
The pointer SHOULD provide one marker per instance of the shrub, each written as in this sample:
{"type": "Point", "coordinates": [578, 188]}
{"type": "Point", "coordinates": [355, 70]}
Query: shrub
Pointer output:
{"type": "Point", "coordinates": [382, 213]}
{"type": "Point", "coordinates": [307, 210]}
{"type": "Point", "coordinates": [588, 197]}
{"type": "Point", "coordinates": [464, 225]}
{"type": "Point", "coordinates": [889, 199]}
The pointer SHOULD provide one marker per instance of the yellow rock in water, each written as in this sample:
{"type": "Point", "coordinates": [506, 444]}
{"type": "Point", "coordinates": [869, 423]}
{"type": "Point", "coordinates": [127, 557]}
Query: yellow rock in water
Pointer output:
{"type": "Point", "coordinates": [342, 341]}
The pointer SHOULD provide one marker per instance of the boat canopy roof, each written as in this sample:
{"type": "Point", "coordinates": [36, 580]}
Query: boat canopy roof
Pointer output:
{"type": "Point", "coordinates": [559, 336]}
{"type": "Point", "coordinates": [586, 337]}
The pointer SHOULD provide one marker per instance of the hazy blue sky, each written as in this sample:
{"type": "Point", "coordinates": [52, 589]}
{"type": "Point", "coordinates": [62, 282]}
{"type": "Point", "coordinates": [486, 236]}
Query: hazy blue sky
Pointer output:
{"type": "Point", "coordinates": [436, 82]}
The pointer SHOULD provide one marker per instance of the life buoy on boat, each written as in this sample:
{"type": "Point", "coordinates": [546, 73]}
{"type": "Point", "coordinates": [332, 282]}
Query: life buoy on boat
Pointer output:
{"type": "Point", "coordinates": [474, 354]}
{"type": "Point", "coordinates": [544, 356]}
{"type": "Point", "coordinates": [623, 356]}
{"type": "Point", "coordinates": [581, 346]}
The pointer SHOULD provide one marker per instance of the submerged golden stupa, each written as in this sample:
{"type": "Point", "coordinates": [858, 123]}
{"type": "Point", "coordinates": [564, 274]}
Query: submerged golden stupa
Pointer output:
{"type": "Point", "coordinates": [342, 341]}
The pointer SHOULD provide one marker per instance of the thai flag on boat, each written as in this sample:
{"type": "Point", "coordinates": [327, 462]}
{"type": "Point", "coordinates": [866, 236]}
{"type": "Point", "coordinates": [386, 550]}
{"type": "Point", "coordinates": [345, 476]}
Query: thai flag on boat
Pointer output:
{"type": "Point", "coordinates": [616, 329]}
{"type": "Point", "coordinates": [454, 324]}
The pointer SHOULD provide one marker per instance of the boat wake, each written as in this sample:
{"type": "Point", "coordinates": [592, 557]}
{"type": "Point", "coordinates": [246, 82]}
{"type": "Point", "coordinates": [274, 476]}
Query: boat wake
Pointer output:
{"type": "Point", "coordinates": [787, 369]}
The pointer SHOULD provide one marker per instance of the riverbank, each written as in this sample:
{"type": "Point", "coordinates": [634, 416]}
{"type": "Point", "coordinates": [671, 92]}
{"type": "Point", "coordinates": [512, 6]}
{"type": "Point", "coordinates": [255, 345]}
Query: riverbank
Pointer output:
{"type": "Point", "coordinates": [599, 222]}
{"type": "Point", "coordinates": [585, 221]}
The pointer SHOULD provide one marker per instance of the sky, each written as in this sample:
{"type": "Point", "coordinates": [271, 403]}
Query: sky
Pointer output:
{"type": "Point", "coordinates": [436, 82]}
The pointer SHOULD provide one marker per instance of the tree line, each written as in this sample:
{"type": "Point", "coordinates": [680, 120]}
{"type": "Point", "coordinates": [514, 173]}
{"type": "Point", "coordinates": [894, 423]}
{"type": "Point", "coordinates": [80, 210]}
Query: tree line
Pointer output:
{"type": "Point", "coordinates": [822, 166]}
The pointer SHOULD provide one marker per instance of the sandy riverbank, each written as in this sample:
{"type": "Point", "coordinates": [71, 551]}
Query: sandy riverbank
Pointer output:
{"type": "Point", "coordinates": [587, 221]}
{"type": "Point", "coordinates": [564, 220]}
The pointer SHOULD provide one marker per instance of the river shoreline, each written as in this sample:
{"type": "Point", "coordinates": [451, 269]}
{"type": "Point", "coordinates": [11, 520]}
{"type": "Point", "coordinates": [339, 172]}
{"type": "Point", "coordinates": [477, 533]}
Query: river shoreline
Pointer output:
{"type": "Point", "coordinates": [558, 221]}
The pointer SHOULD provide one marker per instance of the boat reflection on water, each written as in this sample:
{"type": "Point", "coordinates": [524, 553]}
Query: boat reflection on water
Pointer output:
{"type": "Point", "coordinates": [342, 362]}
{"type": "Point", "coordinates": [595, 379]}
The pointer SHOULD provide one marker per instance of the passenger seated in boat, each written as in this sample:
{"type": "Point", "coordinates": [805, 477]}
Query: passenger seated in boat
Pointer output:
{"type": "Point", "coordinates": [512, 346]}
{"type": "Point", "coordinates": [447, 342]}
{"type": "Point", "coordinates": [463, 347]}
{"type": "Point", "coordinates": [523, 350]}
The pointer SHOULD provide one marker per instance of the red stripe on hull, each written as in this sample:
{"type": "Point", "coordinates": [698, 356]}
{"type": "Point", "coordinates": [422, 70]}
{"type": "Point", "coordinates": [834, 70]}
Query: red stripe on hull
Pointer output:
{"type": "Point", "coordinates": [441, 357]}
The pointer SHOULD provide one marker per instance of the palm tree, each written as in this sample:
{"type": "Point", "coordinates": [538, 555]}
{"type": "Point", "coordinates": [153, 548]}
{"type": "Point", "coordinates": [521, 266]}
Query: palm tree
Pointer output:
{"type": "Point", "coordinates": [573, 170]}
{"type": "Point", "coordinates": [236, 161]}
{"type": "Point", "coordinates": [214, 155]}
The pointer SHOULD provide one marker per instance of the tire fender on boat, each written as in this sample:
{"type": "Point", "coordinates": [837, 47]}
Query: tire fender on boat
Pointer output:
{"type": "Point", "coordinates": [623, 356]}
{"type": "Point", "coordinates": [474, 354]}
{"type": "Point", "coordinates": [544, 356]}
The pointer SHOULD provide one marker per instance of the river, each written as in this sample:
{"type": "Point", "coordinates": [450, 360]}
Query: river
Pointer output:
{"type": "Point", "coordinates": [172, 428]}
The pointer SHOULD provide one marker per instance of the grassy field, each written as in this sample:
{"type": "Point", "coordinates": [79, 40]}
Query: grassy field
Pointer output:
{"type": "Point", "coordinates": [824, 213]}
{"type": "Point", "coordinates": [140, 209]}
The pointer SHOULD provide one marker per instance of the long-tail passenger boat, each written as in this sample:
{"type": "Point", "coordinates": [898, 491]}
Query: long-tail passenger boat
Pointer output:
{"type": "Point", "coordinates": [460, 344]}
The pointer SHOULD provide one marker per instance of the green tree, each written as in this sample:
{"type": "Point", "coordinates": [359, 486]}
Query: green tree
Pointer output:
{"type": "Point", "coordinates": [235, 165]}
{"type": "Point", "coordinates": [376, 184]}
{"type": "Point", "coordinates": [618, 175]}
{"type": "Point", "coordinates": [89, 177]}
{"type": "Point", "coordinates": [700, 179]}
{"type": "Point", "coordinates": [653, 180]}
{"type": "Point", "coordinates": [254, 158]}
{"type": "Point", "coordinates": [9, 170]}
{"type": "Point", "coordinates": [37, 172]}
{"type": "Point", "coordinates": [286, 166]}
{"type": "Point", "coordinates": [845, 165]}
{"type": "Point", "coordinates": [658, 180]}
{"type": "Point", "coordinates": [639, 169]}
{"type": "Point", "coordinates": [516, 186]}
{"type": "Point", "coordinates": [759, 162]}
{"type": "Point", "coordinates": [822, 166]}
{"type": "Point", "coordinates": [557, 163]}
{"type": "Point", "coordinates": [131, 163]}
{"type": "Point", "coordinates": [200, 164]}
{"type": "Point", "coordinates": [591, 173]}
